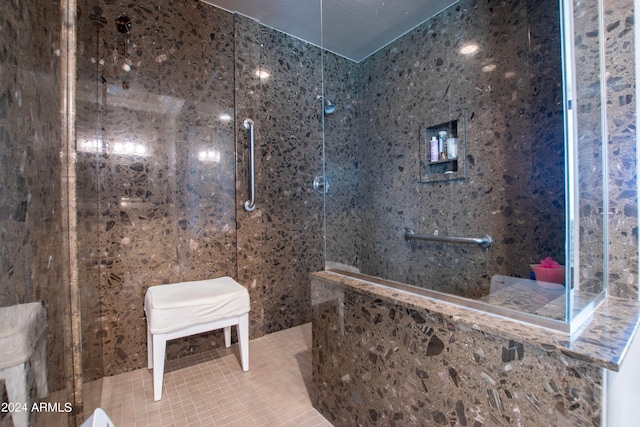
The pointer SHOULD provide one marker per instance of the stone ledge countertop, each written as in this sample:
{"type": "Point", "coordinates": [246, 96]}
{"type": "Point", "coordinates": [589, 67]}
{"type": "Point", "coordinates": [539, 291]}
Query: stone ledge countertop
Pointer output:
{"type": "Point", "coordinates": [603, 341]}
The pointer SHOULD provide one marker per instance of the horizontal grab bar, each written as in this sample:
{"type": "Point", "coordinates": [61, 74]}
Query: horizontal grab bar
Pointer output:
{"type": "Point", "coordinates": [484, 241]}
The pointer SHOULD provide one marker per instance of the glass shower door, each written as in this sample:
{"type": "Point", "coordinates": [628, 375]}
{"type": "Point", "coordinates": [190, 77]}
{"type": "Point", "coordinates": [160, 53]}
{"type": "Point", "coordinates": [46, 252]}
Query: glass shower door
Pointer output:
{"type": "Point", "coordinates": [156, 170]}
{"type": "Point", "coordinates": [163, 166]}
{"type": "Point", "coordinates": [278, 80]}
{"type": "Point", "coordinates": [494, 78]}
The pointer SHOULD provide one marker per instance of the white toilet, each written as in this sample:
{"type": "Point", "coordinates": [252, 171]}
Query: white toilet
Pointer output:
{"type": "Point", "coordinates": [99, 418]}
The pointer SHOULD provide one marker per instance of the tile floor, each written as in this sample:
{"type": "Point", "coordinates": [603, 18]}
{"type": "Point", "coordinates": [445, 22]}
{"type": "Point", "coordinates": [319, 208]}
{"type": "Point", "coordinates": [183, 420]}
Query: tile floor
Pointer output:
{"type": "Point", "coordinates": [212, 390]}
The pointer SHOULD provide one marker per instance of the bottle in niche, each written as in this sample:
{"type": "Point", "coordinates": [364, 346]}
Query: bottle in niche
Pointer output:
{"type": "Point", "coordinates": [452, 148]}
{"type": "Point", "coordinates": [443, 144]}
{"type": "Point", "coordinates": [435, 152]}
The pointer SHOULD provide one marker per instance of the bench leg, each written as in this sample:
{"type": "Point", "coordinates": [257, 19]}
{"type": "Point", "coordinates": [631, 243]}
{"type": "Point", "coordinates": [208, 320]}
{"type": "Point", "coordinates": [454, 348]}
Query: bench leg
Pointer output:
{"type": "Point", "coordinates": [149, 348]}
{"type": "Point", "coordinates": [159, 348]}
{"type": "Point", "coordinates": [40, 367]}
{"type": "Point", "coordinates": [17, 390]}
{"type": "Point", "coordinates": [227, 336]}
{"type": "Point", "coordinates": [243, 339]}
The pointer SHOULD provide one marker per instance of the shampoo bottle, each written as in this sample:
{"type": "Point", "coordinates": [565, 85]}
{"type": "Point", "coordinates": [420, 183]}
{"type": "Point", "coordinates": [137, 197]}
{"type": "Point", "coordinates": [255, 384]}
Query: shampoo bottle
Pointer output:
{"type": "Point", "coordinates": [443, 145]}
{"type": "Point", "coordinates": [452, 148]}
{"type": "Point", "coordinates": [435, 151]}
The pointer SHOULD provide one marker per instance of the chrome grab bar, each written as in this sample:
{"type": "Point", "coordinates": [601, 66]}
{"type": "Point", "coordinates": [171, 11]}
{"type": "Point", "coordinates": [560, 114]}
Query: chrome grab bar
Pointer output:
{"type": "Point", "coordinates": [484, 241]}
{"type": "Point", "coordinates": [250, 204]}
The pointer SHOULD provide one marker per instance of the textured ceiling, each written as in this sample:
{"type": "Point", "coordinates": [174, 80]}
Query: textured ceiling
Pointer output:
{"type": "Point", "coordinates": [354, 29]}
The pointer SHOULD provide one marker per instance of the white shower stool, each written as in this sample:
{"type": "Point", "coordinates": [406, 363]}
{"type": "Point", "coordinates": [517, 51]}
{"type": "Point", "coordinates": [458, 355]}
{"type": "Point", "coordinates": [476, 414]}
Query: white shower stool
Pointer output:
{"type": "Point", "coordinates": [23, 343]}
{"type": "Point", "coordinates": [188, 308]}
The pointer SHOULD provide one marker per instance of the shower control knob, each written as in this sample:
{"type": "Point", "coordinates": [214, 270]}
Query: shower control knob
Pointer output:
{"type": "Point", "coordinates": [321, 184]}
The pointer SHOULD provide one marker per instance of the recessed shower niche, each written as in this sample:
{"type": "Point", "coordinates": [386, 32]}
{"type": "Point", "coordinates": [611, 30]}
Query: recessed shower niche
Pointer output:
{"type": "Point", "coordinates": [443, 151]}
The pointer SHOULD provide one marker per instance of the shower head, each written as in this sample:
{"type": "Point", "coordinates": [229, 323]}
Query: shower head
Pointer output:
{"type": "Point", "coordinates": [328, 107]}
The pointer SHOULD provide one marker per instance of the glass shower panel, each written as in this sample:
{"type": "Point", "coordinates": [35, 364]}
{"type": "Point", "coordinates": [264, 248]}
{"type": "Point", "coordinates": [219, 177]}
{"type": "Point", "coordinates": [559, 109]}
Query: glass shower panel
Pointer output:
{"type": "Point", "coordinates": [344, 156]}
{"type": "Point", "coordinates": [88, 152]}
{"type": "Point", "coordinates": [508, 86]}
{"type": "Point", "coordinates": [495, 76]}
{"type": "Point", "coordinates": [35, 131]}
{"type": "Point", "coordinates": [156, 168]}
{"type": "Point", "coordinates": [589, 225]}
{"type": "Point", "coordinates": [162, 164]}
{"type": "Point", "coordinates": [279, 78]}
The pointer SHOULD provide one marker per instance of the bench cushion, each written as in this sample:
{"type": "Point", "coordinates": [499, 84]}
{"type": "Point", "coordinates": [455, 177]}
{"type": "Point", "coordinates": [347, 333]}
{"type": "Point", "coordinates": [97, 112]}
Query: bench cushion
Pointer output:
{"type": "Point", "coordinates": [181, 305]}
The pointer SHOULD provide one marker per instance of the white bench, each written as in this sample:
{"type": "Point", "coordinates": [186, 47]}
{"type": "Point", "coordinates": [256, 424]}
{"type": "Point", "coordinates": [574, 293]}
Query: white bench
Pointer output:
{"type": "Point", "coordinates": [188, 308]}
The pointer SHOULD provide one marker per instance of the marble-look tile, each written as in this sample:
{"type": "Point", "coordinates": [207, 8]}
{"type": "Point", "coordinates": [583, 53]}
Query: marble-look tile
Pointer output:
{"type": "Point", "coordinates": [621, 126]}
{"type": "Point", "coordinates": [171, 217]}
{"type": "Point", "coordinates": [547, 117]}
{"type": "Point", "coordinates": [602, 341]}
{"type": "Point", "coordinates": [588, 100]}
{"type": "Point", "coordinates": [384, 357]}
{"type": "Point", "coordinates": [365, 228]}
{"type": "Point", "coordinates": [393, 364]}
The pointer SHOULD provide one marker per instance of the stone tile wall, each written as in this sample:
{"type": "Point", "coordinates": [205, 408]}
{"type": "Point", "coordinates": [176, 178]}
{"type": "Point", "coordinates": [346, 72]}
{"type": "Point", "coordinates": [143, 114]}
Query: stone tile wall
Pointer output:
{"type": "Point", "coordinates": [622, 146]}
{"type": "Point", "coordinates": [378, 363]}
{"type": "Point", "coordinates": [588, 100]}
{"type": "Point", "coordinates": [515, 185]}
{"type": "Point", "coordinates": [546, 117]}
{"type": "Point", "coordinates": [147, 220]}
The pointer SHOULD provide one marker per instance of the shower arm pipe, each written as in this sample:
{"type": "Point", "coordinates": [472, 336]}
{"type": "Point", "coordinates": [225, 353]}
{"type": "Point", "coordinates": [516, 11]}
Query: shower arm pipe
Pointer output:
{"type": "Point", "coordinates": [250, 204]}
{"type": "Point", "coordinates": [484, 241]}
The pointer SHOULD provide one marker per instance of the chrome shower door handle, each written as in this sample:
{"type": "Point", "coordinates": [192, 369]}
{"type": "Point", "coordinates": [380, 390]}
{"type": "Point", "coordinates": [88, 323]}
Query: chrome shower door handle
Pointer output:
{"type": "Point", "coordinates": [250, 204]}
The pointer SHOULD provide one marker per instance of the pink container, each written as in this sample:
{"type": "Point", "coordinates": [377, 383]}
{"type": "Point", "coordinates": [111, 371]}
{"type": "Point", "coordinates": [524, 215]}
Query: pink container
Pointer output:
{"type": "Point", "coordinates": [551, 275]}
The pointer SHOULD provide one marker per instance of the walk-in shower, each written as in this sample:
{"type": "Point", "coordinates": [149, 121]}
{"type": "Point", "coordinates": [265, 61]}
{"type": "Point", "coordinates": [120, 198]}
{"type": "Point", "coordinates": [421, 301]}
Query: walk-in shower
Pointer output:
{"type": "Point", "coordinates": [158, 175]}
{"type": "Point", "coordinates": [502, 105]}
